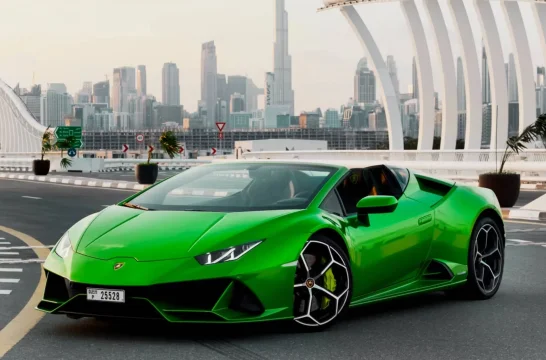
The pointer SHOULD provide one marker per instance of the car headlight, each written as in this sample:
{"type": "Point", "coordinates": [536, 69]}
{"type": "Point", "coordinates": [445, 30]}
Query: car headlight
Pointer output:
{"type": "Point", "coordinates": [63, 246]}
{"type": "Point", "coordinates": [230, 254]}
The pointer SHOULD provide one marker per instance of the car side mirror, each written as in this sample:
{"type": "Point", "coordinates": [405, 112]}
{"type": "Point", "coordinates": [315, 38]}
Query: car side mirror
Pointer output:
{"type": "Point", "coordinates": [378, 204]}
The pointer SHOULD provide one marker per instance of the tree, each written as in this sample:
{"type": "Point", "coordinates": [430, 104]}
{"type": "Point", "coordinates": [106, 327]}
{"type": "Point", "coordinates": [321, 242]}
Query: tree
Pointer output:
{"type": "Point", "coordinates": [46, 142]}
{"type": "Point", "coordinates": [169, 144]}
{"type": "Point", "coordinates": [533, 132]}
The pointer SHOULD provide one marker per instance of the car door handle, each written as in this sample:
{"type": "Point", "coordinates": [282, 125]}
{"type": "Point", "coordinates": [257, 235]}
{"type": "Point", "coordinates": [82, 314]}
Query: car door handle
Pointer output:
{"type": "Point", "coordinates": [425, 219]}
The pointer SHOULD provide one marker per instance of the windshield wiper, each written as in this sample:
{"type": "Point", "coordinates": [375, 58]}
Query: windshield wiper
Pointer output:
{"type": "Point", "coordinates": [134, 206]}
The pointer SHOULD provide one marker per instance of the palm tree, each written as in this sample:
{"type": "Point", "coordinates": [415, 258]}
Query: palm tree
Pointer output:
{"type": "Point", "coordinates": [46, 142]}
{"type": "Point", "coordinates": [533, 132]}
{"type": "Point", "coordinates": [169, 144]}
{"type": "Point", "coordinates": [67, 143]}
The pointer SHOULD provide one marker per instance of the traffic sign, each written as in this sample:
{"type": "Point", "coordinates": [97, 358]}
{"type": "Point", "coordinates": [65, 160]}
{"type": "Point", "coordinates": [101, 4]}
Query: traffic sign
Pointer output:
{"type": "Point", "coordinates": [181, 150]}
{"type": "Point", "coordinates": [62, 133]}
{"type": "Point", "coordinates": [125, 147]}
{"type": "Point", "coordinates": [140, 138]}
{"type": "Point", "coordinates": [220, 126]}
{"type": "Point", "coordinates": [72, 152]}
{"type": "Point", "coordinates": [213, 151]}
{"type": "Point", "coordinates": [150, 148]}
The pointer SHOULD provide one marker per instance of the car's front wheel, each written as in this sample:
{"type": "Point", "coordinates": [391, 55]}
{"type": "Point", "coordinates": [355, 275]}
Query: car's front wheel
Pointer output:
{"type": "Point", "coordinates": [323, 284]}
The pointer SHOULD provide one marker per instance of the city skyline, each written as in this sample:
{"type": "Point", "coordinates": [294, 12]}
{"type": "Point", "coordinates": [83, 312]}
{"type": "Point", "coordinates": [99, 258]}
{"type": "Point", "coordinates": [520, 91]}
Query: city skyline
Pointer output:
{"type": "Point", "coordinates": [322, 77]}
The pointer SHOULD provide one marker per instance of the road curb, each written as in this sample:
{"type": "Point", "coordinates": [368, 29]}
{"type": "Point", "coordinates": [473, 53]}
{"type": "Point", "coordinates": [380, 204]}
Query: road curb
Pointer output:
{"type": "Point", "coordinates": [104, 184]}
{"type": "Point", "coordinates": [522, 214]}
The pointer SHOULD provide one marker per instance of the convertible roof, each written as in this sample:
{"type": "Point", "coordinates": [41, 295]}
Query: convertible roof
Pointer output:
{"type": "Point", "coordinates": [350, 164]}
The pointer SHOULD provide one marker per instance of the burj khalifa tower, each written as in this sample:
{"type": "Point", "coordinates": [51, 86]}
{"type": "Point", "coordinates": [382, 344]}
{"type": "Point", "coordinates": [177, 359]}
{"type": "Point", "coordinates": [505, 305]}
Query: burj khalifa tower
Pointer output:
{"type": "Point", "coordinates": [284, 94]}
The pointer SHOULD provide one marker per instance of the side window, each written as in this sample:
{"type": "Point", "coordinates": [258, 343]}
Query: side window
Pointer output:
{"type": "Point", "coordinates": [401, 175]}
{"type": "Point", "coordinates": [332, 205]}
{"type": "Point", "coordinates": [366, 182]}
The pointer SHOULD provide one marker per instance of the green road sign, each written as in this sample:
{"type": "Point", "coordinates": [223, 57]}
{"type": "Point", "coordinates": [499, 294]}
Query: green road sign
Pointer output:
{"type": "Point", "coordinates": [62, 133]}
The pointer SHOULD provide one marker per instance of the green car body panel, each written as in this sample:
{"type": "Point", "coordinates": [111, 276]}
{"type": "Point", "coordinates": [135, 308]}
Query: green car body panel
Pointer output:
{"type": "Point", "coordinates": [389, 257]}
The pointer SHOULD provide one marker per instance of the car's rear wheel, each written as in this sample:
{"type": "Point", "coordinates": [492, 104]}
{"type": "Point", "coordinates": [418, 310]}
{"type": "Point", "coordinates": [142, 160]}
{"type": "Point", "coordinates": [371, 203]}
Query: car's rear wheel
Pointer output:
{"type": "Point", "coordinates": [485, 261]}
{"type": "Point", "coordinates": [323, 284]}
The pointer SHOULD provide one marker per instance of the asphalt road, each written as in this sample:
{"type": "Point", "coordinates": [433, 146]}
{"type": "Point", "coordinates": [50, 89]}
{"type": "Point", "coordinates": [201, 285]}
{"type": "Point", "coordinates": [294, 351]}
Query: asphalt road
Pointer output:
{"type": "Point", "coordinates": [510, 326]}
{"type": "Point", "coordinates": [118, 175]}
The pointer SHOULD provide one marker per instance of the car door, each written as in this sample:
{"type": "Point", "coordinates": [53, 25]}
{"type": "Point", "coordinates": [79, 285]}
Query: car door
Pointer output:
{"type": "Point", "coordinates": [390, 248]}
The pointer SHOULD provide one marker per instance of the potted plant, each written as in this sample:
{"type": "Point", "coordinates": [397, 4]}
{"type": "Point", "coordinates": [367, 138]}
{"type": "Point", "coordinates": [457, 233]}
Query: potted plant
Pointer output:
{"type": "Point", "coordinates": [41, 167]}
{"type": "Point", "coordinates": [146, 173]}
{"type": "Point", "coordinates": [67, 143]}
{"type": "Point", "coordinates": [506, 185]}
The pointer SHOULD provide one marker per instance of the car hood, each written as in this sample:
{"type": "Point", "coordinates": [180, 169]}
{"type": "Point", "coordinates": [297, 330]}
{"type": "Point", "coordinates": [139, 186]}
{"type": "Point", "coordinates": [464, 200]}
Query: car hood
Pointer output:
{"type": "Point", "coordinates": [161, 235]}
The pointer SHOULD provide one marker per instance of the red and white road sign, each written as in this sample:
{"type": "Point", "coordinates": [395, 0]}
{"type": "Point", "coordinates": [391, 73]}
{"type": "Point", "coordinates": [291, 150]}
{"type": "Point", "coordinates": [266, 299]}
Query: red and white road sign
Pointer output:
{"type": "Point", "coordinates": [220, 126]}
{"type": "Point", "coordinates": [140, 138]}
{"type": "Point", "coordinates": [181, 150]}
{"type": "Point", "coordinates": [125, 147]}
{"type": "Point", "coordinates": [150, 148]}
{"type": "Point", "coordinates": [213, 151]}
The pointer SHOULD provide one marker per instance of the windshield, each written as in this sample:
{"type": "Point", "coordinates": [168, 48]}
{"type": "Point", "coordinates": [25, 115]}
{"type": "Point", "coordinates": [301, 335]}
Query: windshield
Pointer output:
{"type": "Point", "coordinates": [238, 187]}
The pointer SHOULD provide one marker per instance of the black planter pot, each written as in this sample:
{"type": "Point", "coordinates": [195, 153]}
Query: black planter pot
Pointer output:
{"type": "Point", "coordinates": [40, 167]}
{"type": "Point", "coordinates": [146, 174]}
{"type": "Point", "coordinates": [505, 186]}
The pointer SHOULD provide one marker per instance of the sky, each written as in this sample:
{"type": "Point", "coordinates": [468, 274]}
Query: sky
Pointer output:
{"type": "Point", "coordinates": [72, 41]}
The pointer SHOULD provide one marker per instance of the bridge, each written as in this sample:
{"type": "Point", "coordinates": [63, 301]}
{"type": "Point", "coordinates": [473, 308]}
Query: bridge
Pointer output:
{"type": "Point", "coordinates": [495, 59]}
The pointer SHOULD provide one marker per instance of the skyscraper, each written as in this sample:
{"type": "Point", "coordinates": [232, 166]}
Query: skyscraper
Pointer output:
{"type": "Point", "coordinates": [141, 80]}
{"type": "Point", "coordinates": [415, 80]}
{"type": "Point", "coordinates": [171, 85]}
{"type": "Point", "coordinates": [486, 82]}
{"type": "Point", "coordinates": [461, 91]}
{"type": "Point", "coordinates": [209, 82]}
{"type": "Point", "coordinates": [393, 72]}
{"type": "Point", "coordinates": [284, 94]}
{"type": "Point", "coordinates": [512, 79]}
{"type": "Point", "coordinates": [364, 82]}
{"type": "Point", "coordinates": [123, 85]}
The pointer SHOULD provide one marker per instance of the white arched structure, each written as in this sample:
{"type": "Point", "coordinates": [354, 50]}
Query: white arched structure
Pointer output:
{"type": "Point", "coordinates": [524, 64]}
{"type": "Point", "coordinates": [449, 80]}
{"type": "Point", "coordinates": [427, 112]}
{"type": "Point", "coordinates": [539, 10]}
{"type": "Point", "coordinates": [471, 69]}
{"type": "Point", "coordinates": [497, 71]}
{"type": "Point", "coordinates": [19, 131]}
{"type": "Point", "coordinates": [390, 99]}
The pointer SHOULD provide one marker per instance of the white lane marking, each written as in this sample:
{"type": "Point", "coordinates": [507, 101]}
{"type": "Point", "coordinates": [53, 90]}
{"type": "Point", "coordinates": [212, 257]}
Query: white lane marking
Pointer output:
{"type": "Point", "coordinates": [5, 243]}
{"type": "Point", "coordinates": [10, 270]}
{"type": "Point", "coordinates": [11, 281]}
{"type": "Point", "coordinates": [106, 205]}
{"type": "Point", "coordinates": [5, 292]}
{"type": "Point", "coordinates": [27, 247]}
{"type": "Point", "coordinates": [10, 253]}
{"type": "Point", "coordinates": [1, 238]}
{"type": "Point", "coordinates": [20, 261]}
{"type": "Point", "coordinates": [519, 241]}
{"type": "Point", "coordinates": [32, 197]}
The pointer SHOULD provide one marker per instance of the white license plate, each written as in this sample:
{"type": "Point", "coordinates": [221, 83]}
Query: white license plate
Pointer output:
{"type": "Point", "coordinates": [116, 296]}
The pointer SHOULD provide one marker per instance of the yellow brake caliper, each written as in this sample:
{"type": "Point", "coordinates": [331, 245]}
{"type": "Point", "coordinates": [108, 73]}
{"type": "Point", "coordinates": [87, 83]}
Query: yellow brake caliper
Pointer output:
{"type": "Point", "coordinates": [329, 284]}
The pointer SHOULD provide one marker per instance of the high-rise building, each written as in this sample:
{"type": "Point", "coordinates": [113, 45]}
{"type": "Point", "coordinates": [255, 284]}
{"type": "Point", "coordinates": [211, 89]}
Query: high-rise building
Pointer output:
{"type": "Point", "coordinates": [209, 82]}
{"type": "Point", "coordinates": [123, 86]}
{"type": "Point", "coordinates": [486, 82]}
{"type": "Point", "coordinates": [461, 91]}
{"type": "Point", "coordinates": [364, 83]}
{"type": "Point", "coordinates": [101, 93]}
{"type": "Point", "coordinates": [171, 85]}
{"type": "Point", "coordinates": [284, 94]}
{"type": "Point", "coordinates": [141, 80]}
{"type": "Point", "coordinates": [393, 72]}
{"type": "Point", "coordinates": [512, 79]}
{"type": "Point", "coordinates": [414, 79]}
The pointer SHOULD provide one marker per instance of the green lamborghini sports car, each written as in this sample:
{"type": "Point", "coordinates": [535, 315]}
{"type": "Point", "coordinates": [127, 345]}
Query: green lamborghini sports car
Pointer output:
{"type": "Point", "coordinates": [247, 241]}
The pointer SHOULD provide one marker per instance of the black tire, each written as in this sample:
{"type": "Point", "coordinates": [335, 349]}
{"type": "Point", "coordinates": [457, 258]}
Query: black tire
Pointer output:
{"type": "Point", "coordinates": [318, 282]}
{"type": "Point", "coordinates": [484, 280]}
